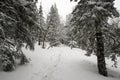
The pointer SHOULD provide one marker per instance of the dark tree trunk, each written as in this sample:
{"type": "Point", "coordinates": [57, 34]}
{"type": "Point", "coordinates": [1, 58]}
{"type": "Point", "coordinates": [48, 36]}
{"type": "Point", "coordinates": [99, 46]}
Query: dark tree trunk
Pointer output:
{"type": "Point", "coordinates": [24, 59]}
{"type": "Point", "coordinates": [100, 53]}
{"type": "Point", "coordinates": [43, 46]}
{"type": "Point", "coordinates": [39, 41]}
{"type": "Point", "coordinates": [44, 37]}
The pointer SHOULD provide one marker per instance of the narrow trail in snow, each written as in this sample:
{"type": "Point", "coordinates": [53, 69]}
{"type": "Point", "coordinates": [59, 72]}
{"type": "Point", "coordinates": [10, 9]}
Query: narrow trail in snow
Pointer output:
{"type": "Point", "coordinates": [51, 67]}
{"type": "Point", "coordinates": [49, 75]}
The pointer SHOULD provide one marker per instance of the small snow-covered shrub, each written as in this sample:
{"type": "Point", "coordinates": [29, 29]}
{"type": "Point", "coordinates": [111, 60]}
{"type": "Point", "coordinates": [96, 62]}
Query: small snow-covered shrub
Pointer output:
{"type": "Point", "coordinates": [7, 60]}
{"type": "Point", "coordinates": [73, 44]}
{"type": "Point", "coordinates": [23, 60]}
{"type": "Point", "coordinates": [54, 43]}
{"type": "Point", "coordinates": [20, 55]}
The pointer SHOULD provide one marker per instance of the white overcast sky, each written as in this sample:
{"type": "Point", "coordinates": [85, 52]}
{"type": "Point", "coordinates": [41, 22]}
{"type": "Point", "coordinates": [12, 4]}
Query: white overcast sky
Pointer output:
{"type": "Point", "coordinates": [64, 6]}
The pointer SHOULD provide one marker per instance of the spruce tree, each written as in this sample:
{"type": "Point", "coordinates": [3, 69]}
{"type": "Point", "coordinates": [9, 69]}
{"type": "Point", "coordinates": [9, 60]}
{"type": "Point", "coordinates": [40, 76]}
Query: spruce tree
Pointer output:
{"type": "Point", "coordinates": [53, 22]}
{"type": "Point", "coordinates": [41, 25]}
{"type": "Point", "coordinates": [90, 23]}
{"type": "Point", "coordinates": [17, 17]}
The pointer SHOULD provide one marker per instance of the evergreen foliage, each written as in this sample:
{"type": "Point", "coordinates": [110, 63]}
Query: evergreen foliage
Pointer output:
{"type": "Point", "coordinates": [91, 29]}
{"type": "Point", "coordinates": [41, 25]}
{"type": "Point", "coordinates": [53, 23]}
{"type": "Point", "coordinates": [17, 19]}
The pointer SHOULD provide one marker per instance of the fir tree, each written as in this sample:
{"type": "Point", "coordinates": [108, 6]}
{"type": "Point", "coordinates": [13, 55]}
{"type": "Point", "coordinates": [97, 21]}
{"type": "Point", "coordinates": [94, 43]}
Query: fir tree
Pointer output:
{"type": "Point", "coordinates": [17, 17]}
{"type": "Point", "coordinates": [90, 25]}
{"type": "Point", "coordinates": [53, 22]}
{"type": "Point", "coordinates": [41, 25]}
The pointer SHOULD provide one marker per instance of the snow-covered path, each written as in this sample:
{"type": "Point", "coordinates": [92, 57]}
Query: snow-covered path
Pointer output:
{"type": "Point", "coordinates": [60, 63]}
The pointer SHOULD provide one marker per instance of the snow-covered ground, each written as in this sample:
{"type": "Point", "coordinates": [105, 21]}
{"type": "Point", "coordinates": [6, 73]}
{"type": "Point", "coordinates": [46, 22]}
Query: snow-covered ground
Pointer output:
{"type": "Point", "coordinates": [59, 63]}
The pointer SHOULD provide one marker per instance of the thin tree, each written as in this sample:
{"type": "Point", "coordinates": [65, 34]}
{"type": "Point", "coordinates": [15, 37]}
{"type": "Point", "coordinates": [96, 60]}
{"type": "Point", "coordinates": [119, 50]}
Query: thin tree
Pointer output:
{"type": "Point", "coordinates": [41, 25]}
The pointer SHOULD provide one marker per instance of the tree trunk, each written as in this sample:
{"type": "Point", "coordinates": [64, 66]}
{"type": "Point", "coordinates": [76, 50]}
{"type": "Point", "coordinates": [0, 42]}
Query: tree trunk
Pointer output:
{"type": "Point", "coordinates": [100, 53]}
{"type": "Point", "coordinates": [39, 37]}
{"type": "Point", "coordinates": [44, 37]}
{"type": "Point", "coordinates": [39, 41]}
{"type": "Point", "coordinates": [43, 46]}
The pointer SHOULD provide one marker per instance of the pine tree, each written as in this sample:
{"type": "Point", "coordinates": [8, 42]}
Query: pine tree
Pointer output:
{"type": "Point", "coordinates": [41, 25]}
{"type": "Point", "coordinates": [53, 22]}
{"type": "Point", "coordinates": [90, 25]}
{"type": "Point", "coordinates": [17, 17]}
{"type": "Point", "coordinates": [69, 28]}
